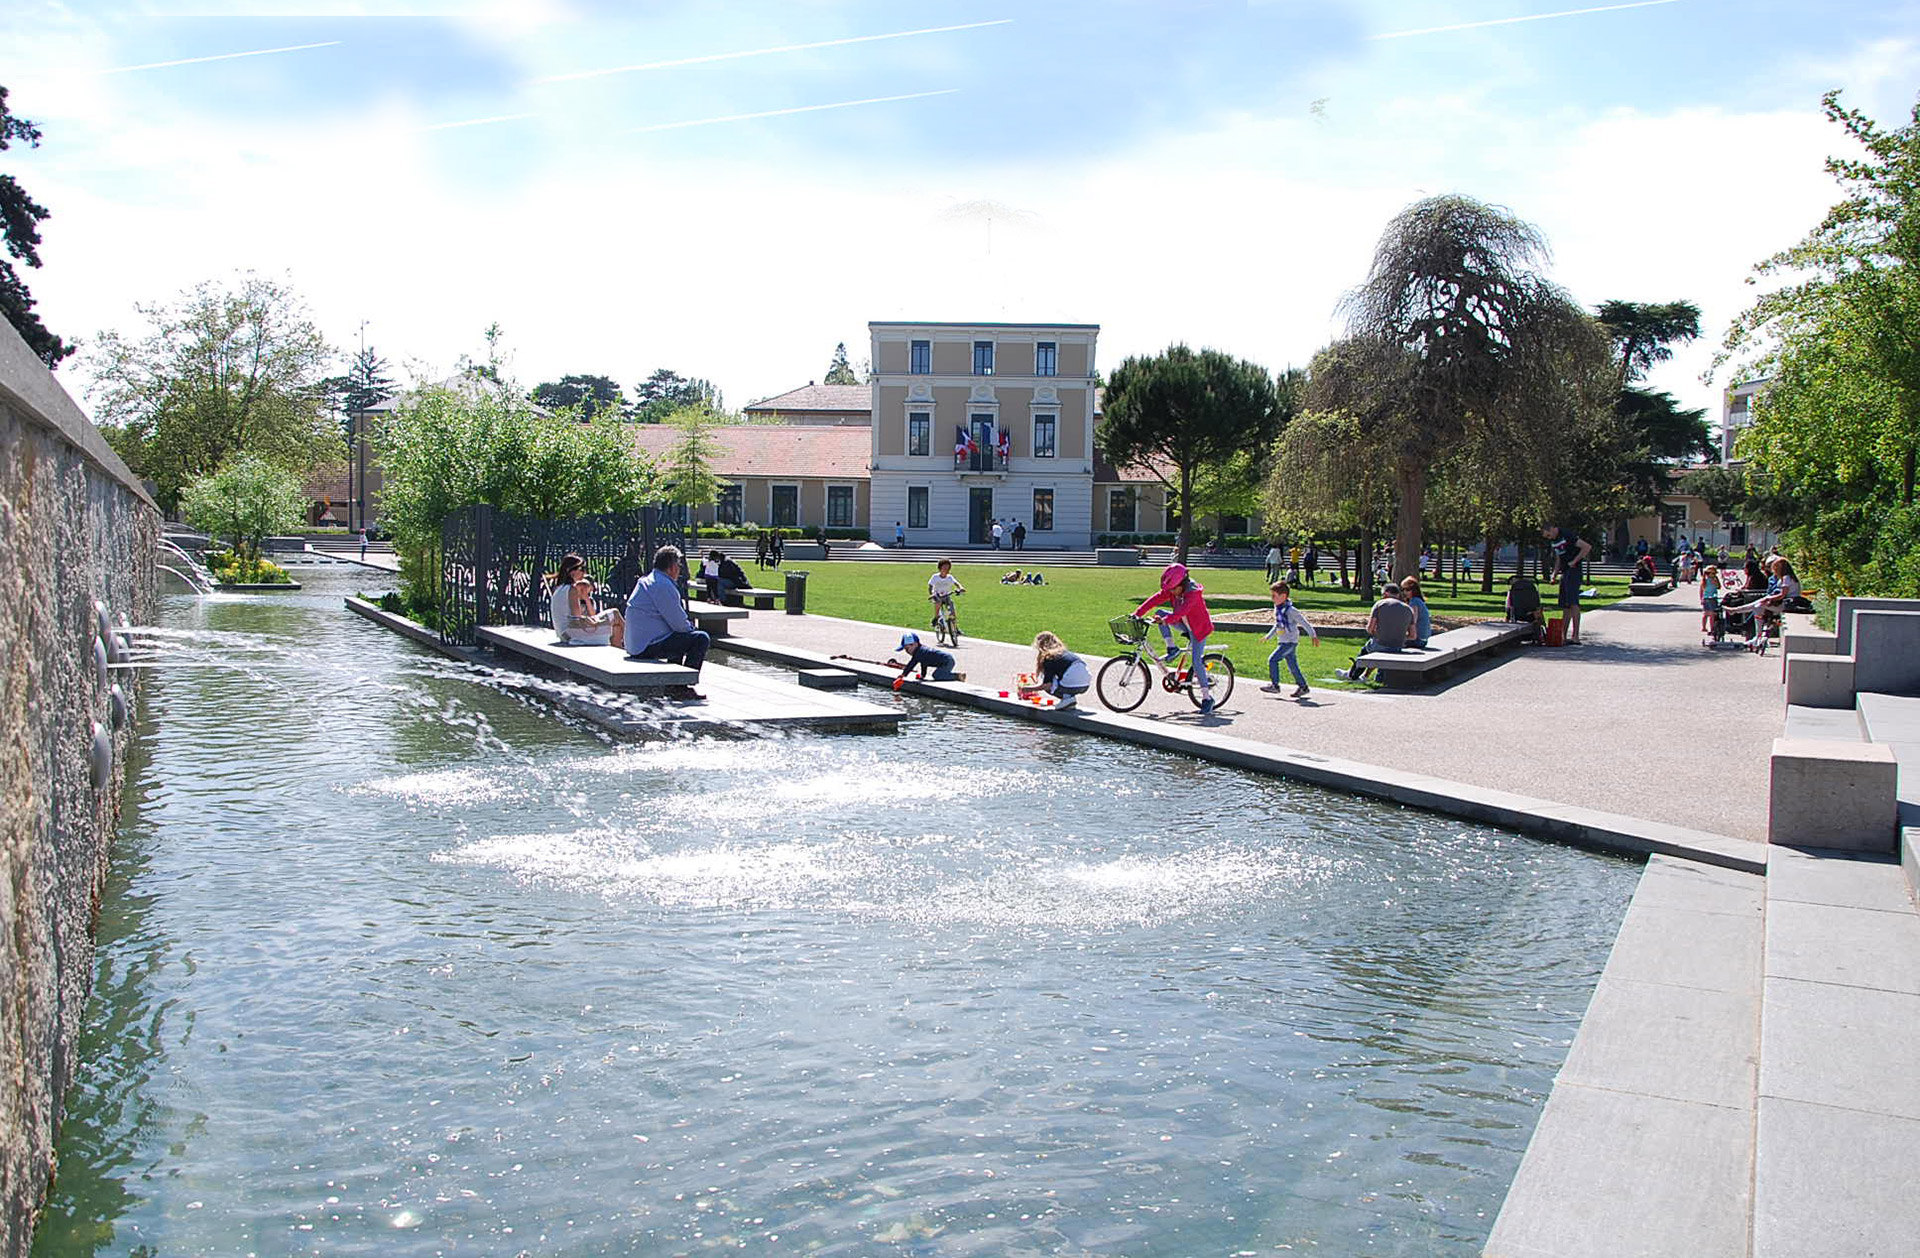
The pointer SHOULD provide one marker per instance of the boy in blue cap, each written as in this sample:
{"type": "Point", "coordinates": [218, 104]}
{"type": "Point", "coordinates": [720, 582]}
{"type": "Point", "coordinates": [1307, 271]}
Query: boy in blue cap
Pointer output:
{"type": "Point", "coordinates": [925, 658]}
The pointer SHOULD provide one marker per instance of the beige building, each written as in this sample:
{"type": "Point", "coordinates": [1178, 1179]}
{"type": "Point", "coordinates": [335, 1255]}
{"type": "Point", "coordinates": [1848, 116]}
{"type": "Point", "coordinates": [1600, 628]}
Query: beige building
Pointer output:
{"type": "Point", "coordinates": [847, 404]}
{"type": "Point", "coordinates": [978, 422]}
{"type": "Point", "coordinates": [787, 475]}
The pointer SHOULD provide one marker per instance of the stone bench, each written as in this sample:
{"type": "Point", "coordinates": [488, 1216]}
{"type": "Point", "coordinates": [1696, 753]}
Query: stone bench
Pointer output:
{"type": "Point", "coordinates": [759, 600]}
{"type": "Point", "coordinates": [1416, 665]}
{"type": "Point", "coordinates": [605, 665]}
{"type": "Point", "coordinates": [1116, 557]}
{"type": "Point", "coordinates": [1650, 588]}
{"type": "Point", "coordinates": [712, 618]}
{"type": "Point", "coordinates": [1831, 793]}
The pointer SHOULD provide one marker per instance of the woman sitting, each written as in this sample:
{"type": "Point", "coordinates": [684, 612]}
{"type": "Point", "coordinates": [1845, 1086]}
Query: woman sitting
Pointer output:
{"type": "Point", "coordinates": [571, 608]}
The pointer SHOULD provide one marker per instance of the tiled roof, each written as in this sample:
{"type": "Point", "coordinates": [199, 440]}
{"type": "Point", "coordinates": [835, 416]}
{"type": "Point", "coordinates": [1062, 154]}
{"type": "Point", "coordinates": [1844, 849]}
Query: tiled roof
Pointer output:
{"type": "Point", "coordinates": [776, 450]}
{"type": "Point", "coordinates": [821, 397]}
{"type": "Point", "coordinates": [1104, 472]}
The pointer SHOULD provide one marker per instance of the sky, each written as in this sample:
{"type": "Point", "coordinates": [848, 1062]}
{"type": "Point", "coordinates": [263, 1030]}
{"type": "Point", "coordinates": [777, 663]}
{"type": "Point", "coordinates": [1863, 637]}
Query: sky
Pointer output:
{"type": "Point", "coordinates": [728, 190]}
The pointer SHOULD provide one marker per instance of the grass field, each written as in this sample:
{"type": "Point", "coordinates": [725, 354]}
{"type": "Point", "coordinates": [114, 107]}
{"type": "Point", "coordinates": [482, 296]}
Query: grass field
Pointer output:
{"type": "Point", "coordinates": [1076, 603]}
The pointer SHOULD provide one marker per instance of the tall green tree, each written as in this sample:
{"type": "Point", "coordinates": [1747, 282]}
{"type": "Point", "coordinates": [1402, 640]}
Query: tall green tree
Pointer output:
{"type": "Point", "coordinates": [1455, 330]}
{"type": "Point", "coordinates": [688, 477]}
{"type": "Point", "coordinates": [219, 372]}
{"type": "Point", "coordinates": [1838, 426]}
{"type": "Point", "coordinates": [1644, 333]}
{"type": "Point", "coordinates": [364, 386]}
{"type": "Point", "coordinates": [840, 371]}
{"type": "Point", "coordinates": [592, 395]}
{"type": "Point", "coordinates": [20, 219]}
{"type": "Point", "coordinates": [1186, 410]}
{"type": "Point", "coordinates": [665, 391]}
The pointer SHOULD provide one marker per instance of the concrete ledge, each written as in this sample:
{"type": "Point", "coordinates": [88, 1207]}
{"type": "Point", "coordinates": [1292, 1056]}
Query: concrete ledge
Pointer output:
{"type": "Point", "coordinates": [1810, 642]}
{"type": "Point", "coordinates": [828, 679]}
{"type": "Point", "coordinates": [1648, 589]}
{"type": "Point", "coordinates": [604, 665]}
{"type": "Point", "coordinates": [1819, 680]}
{"type": "Point", "coordinates": [1826, 793]}
{"type": "Point", "coordinates": [1566, 823]}
{"type": "Point", "coordinates": [1116, 557]}
{"type": "Point", "coordinates": [1832, 724]}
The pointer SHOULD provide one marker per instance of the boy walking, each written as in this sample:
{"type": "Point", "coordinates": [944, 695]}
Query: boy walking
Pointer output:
{"type": "Point", "coordinates": [1288, 621]}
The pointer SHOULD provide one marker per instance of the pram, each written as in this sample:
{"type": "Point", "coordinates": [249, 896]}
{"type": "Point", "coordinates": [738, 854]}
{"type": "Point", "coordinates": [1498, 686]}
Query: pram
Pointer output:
{"type": "Point", "coordinates": [1741, 614]}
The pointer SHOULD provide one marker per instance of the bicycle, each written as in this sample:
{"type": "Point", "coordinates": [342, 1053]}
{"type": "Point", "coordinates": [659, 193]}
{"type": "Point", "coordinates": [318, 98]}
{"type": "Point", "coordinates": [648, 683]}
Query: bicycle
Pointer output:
{"type": "Point", "coordinates": [946, 623]}
{"type": "Point", "coordinates": [1125, 680]}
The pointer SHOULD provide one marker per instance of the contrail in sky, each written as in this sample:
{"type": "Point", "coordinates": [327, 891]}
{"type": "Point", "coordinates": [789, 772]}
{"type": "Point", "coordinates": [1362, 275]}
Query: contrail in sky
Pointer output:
{"type": "Point", "coordinates": [776, 113]}
{"type": "Point", "coordinates": [768, 52]}
{"type": "Point", "coordinates": [477, 122]}
{"type": "Point", "coordinates": [225, 56]}
{"type": "Point", "coordinates": [1531, 17]}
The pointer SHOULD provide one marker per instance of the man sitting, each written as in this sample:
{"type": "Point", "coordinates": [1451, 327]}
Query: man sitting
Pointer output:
{"type": "Point", "coordinates": [722, 577]}
{"type": "Point", "coordinates": [1389, 625]}
{"type": "Point", "coordinates": [657, 624]}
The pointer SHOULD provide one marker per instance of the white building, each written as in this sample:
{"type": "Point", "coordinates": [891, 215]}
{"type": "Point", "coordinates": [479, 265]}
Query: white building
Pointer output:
{"type": "Point", "coordinates": [977, 422]}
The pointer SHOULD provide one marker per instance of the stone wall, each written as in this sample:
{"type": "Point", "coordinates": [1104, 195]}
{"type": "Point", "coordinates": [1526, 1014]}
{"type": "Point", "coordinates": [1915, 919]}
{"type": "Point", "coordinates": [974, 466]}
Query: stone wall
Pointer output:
{"type": "Point", "coordinates": [75, 528]}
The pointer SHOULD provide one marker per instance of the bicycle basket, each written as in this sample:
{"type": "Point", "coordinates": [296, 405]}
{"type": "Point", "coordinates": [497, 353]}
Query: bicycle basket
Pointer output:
{"type": "Point", "coordinates": [1128, 630]}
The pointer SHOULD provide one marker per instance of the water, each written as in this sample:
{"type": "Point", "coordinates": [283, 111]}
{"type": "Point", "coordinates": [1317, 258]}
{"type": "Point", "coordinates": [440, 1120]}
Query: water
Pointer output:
{"type": "Point", "coordinates": [396, 963]}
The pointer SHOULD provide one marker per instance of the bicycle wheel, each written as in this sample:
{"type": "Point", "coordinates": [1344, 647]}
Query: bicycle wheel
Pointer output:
{"type": "Point", "coordinates": [1123, 683]}
{"type": "Point", "coordinates": [1220, 673]}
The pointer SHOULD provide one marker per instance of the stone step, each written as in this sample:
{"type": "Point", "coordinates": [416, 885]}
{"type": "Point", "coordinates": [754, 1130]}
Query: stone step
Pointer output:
{"type": "Point", "coordinates": [1837, 1105]}
{"type": "Point", "coordinates": [1837, 724]}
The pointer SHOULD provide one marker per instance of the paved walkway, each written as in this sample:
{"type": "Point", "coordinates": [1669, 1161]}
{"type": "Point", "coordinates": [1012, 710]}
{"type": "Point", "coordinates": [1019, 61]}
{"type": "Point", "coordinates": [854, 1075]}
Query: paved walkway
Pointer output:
{"type": "Point", "coordinates": [1641, 720]}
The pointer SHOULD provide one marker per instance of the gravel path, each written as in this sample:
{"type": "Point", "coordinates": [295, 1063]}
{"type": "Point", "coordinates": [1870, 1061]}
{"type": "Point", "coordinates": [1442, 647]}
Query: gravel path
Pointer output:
{"type": "Point", "coordinates": [1640, 719]}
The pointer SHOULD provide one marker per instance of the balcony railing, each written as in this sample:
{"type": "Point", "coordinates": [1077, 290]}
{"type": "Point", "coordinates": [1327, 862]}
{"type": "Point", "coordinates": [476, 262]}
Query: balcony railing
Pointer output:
{"type": "Point", "coordinates": [979, 461]}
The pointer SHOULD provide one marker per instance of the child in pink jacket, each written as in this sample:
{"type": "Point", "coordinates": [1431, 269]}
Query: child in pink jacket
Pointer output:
{"type": "Point", "coordinates": [1186, 606]}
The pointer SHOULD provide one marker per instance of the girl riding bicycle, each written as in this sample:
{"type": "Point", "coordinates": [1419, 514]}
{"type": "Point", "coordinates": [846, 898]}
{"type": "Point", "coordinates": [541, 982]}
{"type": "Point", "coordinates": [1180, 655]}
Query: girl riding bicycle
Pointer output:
{"type": "Point", "coordinates": [1186, 606]}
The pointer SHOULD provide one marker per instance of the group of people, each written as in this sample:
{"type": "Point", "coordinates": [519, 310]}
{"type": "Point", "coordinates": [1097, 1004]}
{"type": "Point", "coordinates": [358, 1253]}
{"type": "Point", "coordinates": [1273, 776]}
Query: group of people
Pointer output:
{"type": "Point", "coordinates": [1017, 577]}
{"type": "Point", "coordinates": [1292, 564]}
{"type": "Point", "coordinates": [1398, 622]}
{"type": "Point", "coordinates": [768, 549]}
{"type": "Point", "coordinates": [1012, 532]}
{"type": "Point", "coordinates": [654, 627]}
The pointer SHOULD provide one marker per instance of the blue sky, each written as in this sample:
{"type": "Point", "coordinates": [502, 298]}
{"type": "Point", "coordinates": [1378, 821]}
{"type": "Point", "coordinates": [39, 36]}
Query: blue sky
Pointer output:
{"type": "Point", "coordinates": [774, 175]}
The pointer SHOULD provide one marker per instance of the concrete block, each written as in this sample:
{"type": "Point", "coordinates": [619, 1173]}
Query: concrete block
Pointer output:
{"type": "Point", "coordinates": [1810, 642]}
{"type": "Point", "coordinates": [1845, 609]}
{"type": "Point", "coordinates": [1832, 1183]}
{"type": "Point", "coordinates": [827, 679]}
{"type": "Point", "coordinates": [1886, 652]}
{"type": "Point", "coordinates": [1820, 681]}
{"type": "Point", "coordinates": [1117, 557]}
{"type": "Point", "coordinates": [1833, 794]}
{"type": "Point", "coordinates": [1838, 724]}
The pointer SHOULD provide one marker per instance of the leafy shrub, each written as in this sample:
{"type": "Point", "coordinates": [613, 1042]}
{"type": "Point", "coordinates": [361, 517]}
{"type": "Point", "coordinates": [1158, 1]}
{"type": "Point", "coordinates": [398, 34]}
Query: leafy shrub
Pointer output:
{"type": "Point", "coordinates": [229, 568]}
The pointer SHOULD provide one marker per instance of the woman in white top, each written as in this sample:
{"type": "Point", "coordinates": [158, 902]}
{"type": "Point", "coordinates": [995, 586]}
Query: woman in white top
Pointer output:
{"type": "Point", "coordinates": [571, 610]}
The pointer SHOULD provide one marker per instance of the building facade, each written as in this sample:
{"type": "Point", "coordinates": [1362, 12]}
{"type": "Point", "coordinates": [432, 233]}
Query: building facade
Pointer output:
{"type": "Point", "coordinates": [803, 476]}
{"type": "Point", "coordinates": [978, 422]}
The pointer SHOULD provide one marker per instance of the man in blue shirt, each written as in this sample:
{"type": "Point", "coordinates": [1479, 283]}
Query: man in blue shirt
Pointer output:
{"type": "Point", "coordinates": [657, 621]}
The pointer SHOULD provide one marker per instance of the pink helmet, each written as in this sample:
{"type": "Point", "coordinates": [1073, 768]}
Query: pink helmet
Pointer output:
{"type": "Point", "coordinates": [1173, 575]}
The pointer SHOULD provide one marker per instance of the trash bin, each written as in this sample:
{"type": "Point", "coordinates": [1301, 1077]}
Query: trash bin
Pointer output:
{"type": "Point", "coordinates": [796, 592]}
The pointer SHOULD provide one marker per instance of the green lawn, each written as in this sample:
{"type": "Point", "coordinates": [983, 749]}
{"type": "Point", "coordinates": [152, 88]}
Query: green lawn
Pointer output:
{"type": "Point", "coordinates": [1076, 603]}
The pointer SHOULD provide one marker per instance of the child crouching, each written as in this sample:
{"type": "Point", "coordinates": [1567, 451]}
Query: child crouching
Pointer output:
{"type": "Point", "coordinates": [1062, 673]}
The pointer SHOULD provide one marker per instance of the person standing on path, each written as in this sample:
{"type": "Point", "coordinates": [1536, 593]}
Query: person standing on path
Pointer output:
{"type": "Point", "coordinates": [899, 535]}
{"type": "Point", "coordinates": [1570, 556]}
{"type": "Point", "coordinates": [996, 532]}
{"type": "Point", "coordinates": [1019, 537]}
{"type": "Point", "coordinates": [1311, 562]}
{"type": "Point", "coordinates": [1288, 621]}
{"type": "Point", "coordinates": [1273, 562]}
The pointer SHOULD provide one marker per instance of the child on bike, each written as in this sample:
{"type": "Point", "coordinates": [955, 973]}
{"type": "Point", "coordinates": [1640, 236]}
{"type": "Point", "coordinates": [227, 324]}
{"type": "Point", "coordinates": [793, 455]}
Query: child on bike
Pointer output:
{"type": "Point", "coordinates": [1288, 621]}
{"type": "Point", "coordinates": [1186, 606]}
{"type": "Point", "coordinates": [941, 587]}
{"type": "Point", "coordinates": [1062, 673]}
{"type": "Point", "coordinates": [924, 658]}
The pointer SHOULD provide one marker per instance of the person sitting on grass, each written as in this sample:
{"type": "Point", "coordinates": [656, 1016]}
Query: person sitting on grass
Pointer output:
{"type": "Point", "coordinates": [1389, 625]}
{"type": "Point", "coordinates": [925, 658]}
{"type": "Point", "coordinates": [576, 620]}
{"type": "Point", "coordinates": [1186, 605]}
{"type": "Point", "coordinates": [1062, 673]}
{"type": "Point", "coordinates": [1288, 621]}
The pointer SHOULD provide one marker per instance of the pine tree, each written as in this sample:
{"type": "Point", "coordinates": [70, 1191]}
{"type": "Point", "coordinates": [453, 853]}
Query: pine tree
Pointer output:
{"type": "Point", "coordinates": [840, 371]}
{"type": "Point", "coordinates": [20, 217]}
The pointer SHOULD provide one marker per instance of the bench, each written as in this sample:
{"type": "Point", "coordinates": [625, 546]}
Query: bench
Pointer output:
{"type": "Point", "coordinates": [608, 666]}
{"type": "Point", "coordinates": [712, 618]}
{"type": "Point", "coordinates": [759, 600]}
{"type": "Point", "coordinates": [1416, 665]}
{"type": "Point", "coordinates": [1649, 588]}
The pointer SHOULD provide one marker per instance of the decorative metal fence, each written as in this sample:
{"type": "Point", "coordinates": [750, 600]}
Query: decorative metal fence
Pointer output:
{"type": "Point", "coordinates": [494, 564]}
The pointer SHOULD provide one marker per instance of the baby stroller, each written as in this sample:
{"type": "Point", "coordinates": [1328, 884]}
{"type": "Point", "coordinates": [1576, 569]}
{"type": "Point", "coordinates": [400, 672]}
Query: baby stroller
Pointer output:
{"type": "Point", "coordinates": [1734, 617]}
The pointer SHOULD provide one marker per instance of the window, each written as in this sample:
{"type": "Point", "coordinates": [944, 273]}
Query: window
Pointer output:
{"type": "Point", "coordinates": [1046, 358]}
{"type": "Point", "coordinates": [920, 358]}
{"type": "Point", "coordinates": [785, 508]}
{"type": "Point", "coordinates": [1042, 510]}
{"type": "Point", "coordinates": [916, 506]}
{"type": "Point", "coordinates": [1043, 431]}
{"type": "Point", "coordinates": [983, 358]}
{"type": "Point", "coordinates": [1121, 516]}
{"type": "Point", "coordinates": [919, 433]}
{"type": "Point", "coordinates": [727, 509]}
{"type": "Point", "coordinates": [840, 506]}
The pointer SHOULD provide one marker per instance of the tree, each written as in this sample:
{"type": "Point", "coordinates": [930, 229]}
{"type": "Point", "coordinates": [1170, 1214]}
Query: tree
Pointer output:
{"type": "Point", "coordinates": [1453, 332]}
{"type": "Point", "coordinates": [592, 395]}
{"type": "Point", "coordinates": [364, 387]}
{"type": "Point", "coordinates": [840, 371]}
{"type": "Point", "coordinates": [219, 373]}
{"type": "Point", "coordinates": [688, 477]}
{"type": "Point", "coordinates": [20, 219]}
{"type": "Point", "coordinates": [1644, 332]}
{"type": "Point", "coordinates": [246, 500]}
{"type": "Point", "coordinates": [1723, 489]}
{"type": "Point", "coordinates": [664, 392]}
{"type": "Point", "coordinates": [1186, 410]}
{"type": "Point", "coordinates": [1838, 426]}
{"type": "Point", "coordinates": [1323, 480]}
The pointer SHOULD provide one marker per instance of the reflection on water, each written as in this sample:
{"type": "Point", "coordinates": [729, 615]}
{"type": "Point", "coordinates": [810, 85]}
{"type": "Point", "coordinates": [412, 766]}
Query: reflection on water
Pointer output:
{"type": "Point", "coordinates": [395, 961]}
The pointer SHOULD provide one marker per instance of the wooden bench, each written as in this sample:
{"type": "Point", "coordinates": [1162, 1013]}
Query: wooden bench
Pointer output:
{"type": "Point", "coordinates": [1649, 588]}
{"type": "Point", "coordinates": [1416, 665]}
{"type": "Point", "coordinates": [605, 665]}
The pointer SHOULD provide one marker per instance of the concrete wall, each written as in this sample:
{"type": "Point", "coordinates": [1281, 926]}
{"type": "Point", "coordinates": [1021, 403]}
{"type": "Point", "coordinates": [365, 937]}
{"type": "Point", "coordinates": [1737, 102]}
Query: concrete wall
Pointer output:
{"type": "Point", "coordinates": [74, 528]}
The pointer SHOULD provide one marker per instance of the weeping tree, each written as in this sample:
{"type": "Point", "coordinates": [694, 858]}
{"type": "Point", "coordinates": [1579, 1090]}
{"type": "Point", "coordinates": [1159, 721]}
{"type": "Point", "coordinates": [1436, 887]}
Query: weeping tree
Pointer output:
{"type": "Point", "coordinates": [1454, 334]}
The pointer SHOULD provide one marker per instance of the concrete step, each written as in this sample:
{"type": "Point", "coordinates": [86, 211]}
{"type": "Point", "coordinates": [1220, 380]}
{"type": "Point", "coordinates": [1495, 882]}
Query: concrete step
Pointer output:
{"type": "Point", "coordinates": [1835, 724]}
{"type": "Point", "coordinates": [1837, 1104]}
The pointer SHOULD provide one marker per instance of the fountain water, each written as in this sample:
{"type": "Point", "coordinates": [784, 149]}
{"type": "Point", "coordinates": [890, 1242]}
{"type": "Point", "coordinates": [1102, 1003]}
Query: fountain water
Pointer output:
{"type": "Point", "coordinates": [196, 574]}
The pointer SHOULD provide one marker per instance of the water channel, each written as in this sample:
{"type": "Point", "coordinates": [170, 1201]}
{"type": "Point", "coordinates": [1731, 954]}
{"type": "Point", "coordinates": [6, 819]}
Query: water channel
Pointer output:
{"type": "Point", "coordinates": [394, 961]}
